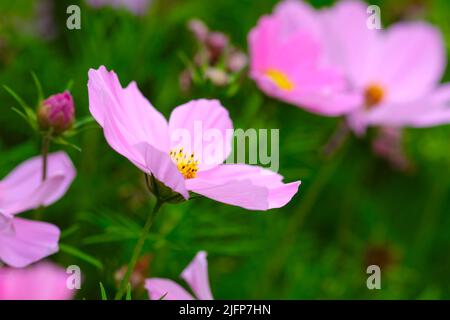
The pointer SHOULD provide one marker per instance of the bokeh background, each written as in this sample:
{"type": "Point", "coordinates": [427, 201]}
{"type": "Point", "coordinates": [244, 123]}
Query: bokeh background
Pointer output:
{"type": "Point", "coordinates": [352, 210]}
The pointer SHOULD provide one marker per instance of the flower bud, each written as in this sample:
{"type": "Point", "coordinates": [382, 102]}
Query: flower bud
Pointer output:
{"type": "Point", "coordinates": [57, 113]}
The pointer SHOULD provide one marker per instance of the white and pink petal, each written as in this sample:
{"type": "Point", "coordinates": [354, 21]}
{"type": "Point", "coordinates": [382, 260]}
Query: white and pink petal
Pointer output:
{"type": "Point", "coordinates": [249, 187]}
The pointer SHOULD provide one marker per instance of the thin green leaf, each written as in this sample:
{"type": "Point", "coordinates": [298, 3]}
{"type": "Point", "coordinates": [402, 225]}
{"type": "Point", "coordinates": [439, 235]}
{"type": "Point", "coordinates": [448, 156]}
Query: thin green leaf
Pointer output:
{"type": "Point", "coordinates": [69, 85]}
{"type": "Point", "coordinates": [26, 117]}
{"type": "Point", "coordinates": [17, 98]}
{"type": "Point", "coordinates": [128, 297]}
{"type": "Point", "coordinates": [67, 232]}
{"type": "Point", "coordinates": [84, 121]}
{"type": "Point", "coordinates": [81, 255]}
{"type": "Point", "coordinates": [163, 296]}
{"type": "Point", "coordinates": [103, 292]}
{"type": "Point", "coordinates": [61, 141]}
{"type": "Point", "coordinates": [38, 87]}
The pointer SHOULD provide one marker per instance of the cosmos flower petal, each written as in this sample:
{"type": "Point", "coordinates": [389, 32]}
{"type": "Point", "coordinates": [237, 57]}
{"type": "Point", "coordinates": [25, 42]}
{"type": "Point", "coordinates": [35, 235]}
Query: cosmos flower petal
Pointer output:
{"type": "Point", "coordinates": [119, 139]}
{"type": "Point", "coordinates": [249, 187]}
{"type": "Point", "coordinates": [348, 42]}
{"type": "Point", "coordinates": [432, 109]}
{"type": "Point", "coordinates": [288, 63]}
{"type": "Point", "coordinates": [162, 167]}
{"type": "Point", "coordinates": [145, 156]}
{"type": "Point", "coordinates": [137, 119]}
{"type": "Point", "coordinates": [31, 241]}
{"type": "Point", "coordinates": [196, 275]}
{"type": "Point", "coordinates": [413, 60]}
{"type": "Point", "coordinates": [165, 289]}
{"type": "Point", "coordinates": [44, 281]}
{"type": "Point", "coordinates": [333, 104]}
{"type": "Point", "coordinates": [298, 15]}
{"type": "Point", "coordinates": [206, 119]}
{"type": "Point", "coordinates": [23, 188]}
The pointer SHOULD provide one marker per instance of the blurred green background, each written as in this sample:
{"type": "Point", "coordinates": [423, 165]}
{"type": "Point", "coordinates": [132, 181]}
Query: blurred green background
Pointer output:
{"type": "Point", "coordinates": [351, 211]}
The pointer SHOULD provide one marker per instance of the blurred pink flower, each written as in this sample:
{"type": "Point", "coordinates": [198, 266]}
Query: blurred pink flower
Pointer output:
{"type": "Point", "coordinates": [287, 61]}
{"type": "Point", "coordinates": [216, 59]}
{"type": "Point", "coordinates": [24, 241]}
{"type": "Point", "coordinates": [136, 130]}
{"type": "Point", "coordinates": [388, 145]}
{"type": "Point", "coordinates": [196, 276]}
{"type": "Point", "coordinates": [396, 72]}
{"type": "Point", "coordinates": [137, 7]}
{"type": "Point", "coordinates": [43, 281]}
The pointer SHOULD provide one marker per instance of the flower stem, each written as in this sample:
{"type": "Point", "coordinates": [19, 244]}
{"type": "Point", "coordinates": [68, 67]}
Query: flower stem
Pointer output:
{"type": "Point", "coordinates": [137, 250]}
{"type": "Point", "coordinates": [45, 149]}
{"type": "Point", "coordinates": [280, 257]}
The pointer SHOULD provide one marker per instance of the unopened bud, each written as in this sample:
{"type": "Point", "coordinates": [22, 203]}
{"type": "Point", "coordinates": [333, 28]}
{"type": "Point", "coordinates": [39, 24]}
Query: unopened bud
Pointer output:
{"type": "Point", "coordinates": [57, 113]}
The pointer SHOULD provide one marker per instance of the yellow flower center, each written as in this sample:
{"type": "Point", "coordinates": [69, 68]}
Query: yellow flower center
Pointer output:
{"type": "Point", "coordinates": [187, 165]}
{"type": "Point", "coordinates": [280, 79]}
{"type": "Point", "coordinates": [373, 95]}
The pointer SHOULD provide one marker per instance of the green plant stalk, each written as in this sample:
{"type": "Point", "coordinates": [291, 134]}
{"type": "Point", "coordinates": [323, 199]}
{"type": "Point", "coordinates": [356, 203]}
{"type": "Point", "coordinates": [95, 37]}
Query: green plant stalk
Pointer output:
{"type": "Point", "coordinates": [278, 261]}
{"type": "Point", "coordinates": [45, 150]}
{"type": "Point", "coordinates": [137, 250]}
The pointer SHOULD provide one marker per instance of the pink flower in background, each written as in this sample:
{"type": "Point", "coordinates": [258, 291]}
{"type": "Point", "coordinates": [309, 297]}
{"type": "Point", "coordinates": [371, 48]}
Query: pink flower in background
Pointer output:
{"type": "Point", "coordinates": [388, 145]}
{"type": "Point", "coordinates": [137, 7]}
{"type": "Point", "coordinates": [136, 130]}
{"type": "Point", "coordinates": [196, 276]}
{"type": "Point", "coordinates": [43, 281]}
{"type": "Point", "coordinates": [395, 71]}
{"type": "Point", "coordinates": [287, 62]}
{"type": "Point", "coordinates": [24, 241]}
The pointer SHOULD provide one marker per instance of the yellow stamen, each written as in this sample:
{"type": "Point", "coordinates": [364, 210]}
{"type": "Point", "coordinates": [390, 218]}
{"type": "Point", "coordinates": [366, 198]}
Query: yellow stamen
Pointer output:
{"type": "Point", "coordinates": [187, 165]}
{"type": "Point", "coordinates": [373, 95]}
{"type": "Point", "coordinates": [280, 79]}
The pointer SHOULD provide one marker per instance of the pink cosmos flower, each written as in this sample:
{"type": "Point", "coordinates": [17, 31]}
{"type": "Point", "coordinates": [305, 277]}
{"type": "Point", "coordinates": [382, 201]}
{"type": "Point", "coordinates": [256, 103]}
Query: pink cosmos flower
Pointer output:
{"type": "Point", "coordinates": [43, 281]}
{"type": "Point", "coordinates": [24, 241]}
{"type": "Point", "coordinates": [136, 130]}
{"type": "Point", "coordinates": [287, 62]}
{"type": "Point", "coordinates": [395, 71]}
{"type": "Point", "coordinates": [137, 7]}
{"type": "Point", "coordinates": [195, 274]}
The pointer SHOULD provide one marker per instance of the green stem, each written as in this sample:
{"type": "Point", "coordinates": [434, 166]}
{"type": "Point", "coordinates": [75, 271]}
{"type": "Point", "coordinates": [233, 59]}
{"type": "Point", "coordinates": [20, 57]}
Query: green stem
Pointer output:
{"type": "Point", "coordinates": [137, 250]}
{"type": "Point", "coordinates": [279, 259]}
{"type": "Point", "coordinates": [45, 149]}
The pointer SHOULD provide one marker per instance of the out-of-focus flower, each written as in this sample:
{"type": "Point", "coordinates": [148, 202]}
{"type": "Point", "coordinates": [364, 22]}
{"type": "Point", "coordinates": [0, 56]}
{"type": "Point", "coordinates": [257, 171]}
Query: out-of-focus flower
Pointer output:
{"type": "Point", "coordinates": [199, 29]}
{"type": "Point", "coordinates": [216, 60]}
{"type": "Point", "coordinates": [388, 145]}
{"type": "Point", "coordinates": [45, 20]}
{"type": "Point", "coordinates": [195, 274]}
{"type": "Point", "coordinates": [57, 113]}
{"type": "Point", "coordinates": [395, 71]}
{"type": "Point", "coordinates": [136, 130]}
{"type": "Point", "coordinates": [24, 241]}
{"type": "Point", "coordinates": [137, 7]}
{"type": "Point", "coordinates": [384, 256]}
{"type": "Point", "coordinates": [217, 76]}
{"type": "Point", "coordinates": [43, 281]}
{"type": "Point", "coordinates": [287, 61]}
{"type": "Point", "coordinates": [237, 60]}
{"type": "Point", "coordinates": [140, 271]}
